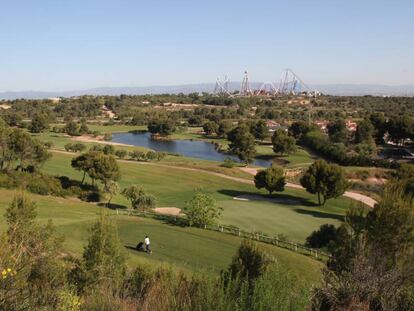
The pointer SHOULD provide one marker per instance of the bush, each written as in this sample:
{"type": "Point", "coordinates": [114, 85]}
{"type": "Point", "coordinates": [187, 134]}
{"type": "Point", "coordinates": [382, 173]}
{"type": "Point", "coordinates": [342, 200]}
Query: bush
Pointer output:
{"type": "Point", "coordinates": [91, 196]}
{"type": "Point", "coordinates": [108, 149]}
{"type": "Point", "coordinates": [121, 153]}
{"type": "Point", "coordinates": [322, 237]}
{"type": "Point", "coordinates": [107, 137]}
{"type": "Point", "coordinates": [75, 147]}
{"type": "Point", "coordinates": [38, 183]}
{"type": "Point", "coordinates": [229, 163]}
{"type": "Point", "coordinates": [68, 146]}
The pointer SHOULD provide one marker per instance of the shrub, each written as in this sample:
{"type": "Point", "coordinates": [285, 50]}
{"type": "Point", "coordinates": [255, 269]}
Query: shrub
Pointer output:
{"type": "Point", "coordinates": [107, 137]}
{"type": "Point", "coordinates": [229, 163]}
{"type": "Point", "coordinates": [322, 237]}
{"type": "Point", "coordinates": [121, 153]}
{"type": "Point", "coordinates": [108, 149]}
{"type": "Point", "coordinates": [37, 182]}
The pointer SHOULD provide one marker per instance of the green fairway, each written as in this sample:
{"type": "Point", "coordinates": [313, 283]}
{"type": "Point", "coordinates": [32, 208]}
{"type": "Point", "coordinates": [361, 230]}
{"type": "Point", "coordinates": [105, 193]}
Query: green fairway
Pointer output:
{"type": "Point", "coordinates": [292, 213]}
{"type": "Point", "coordinates": [116, 128]}
{"type": "Point", "coordinates": [190, 249]}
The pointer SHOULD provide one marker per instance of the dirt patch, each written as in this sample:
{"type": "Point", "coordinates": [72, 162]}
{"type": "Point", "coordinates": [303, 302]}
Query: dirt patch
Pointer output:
{"type": "Point", "coordinates": [97, 139]}
{"type": "Point", "coordinates": [173, 211]}
{"type": "Point", "coordinates": [249, 170]}
{"type": "Point", "coordinates": [376, 181]}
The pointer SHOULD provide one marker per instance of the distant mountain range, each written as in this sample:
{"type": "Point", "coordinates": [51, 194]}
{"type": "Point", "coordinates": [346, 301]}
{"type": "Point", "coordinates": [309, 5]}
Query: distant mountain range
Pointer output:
{"type": "Point", "coordinates": [333, 89]}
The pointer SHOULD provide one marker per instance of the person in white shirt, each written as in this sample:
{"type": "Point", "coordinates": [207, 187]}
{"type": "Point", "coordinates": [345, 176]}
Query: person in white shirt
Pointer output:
{"type": "Point", "coordinates": [147, 244]}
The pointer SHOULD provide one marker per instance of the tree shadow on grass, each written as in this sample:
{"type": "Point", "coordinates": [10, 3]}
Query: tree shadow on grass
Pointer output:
{"type": "Point", "coordinates": [319, 214]}
{"type": "Point", "coordinates": [112, 206]}
{"type": "Point", "coordinates": [279, 198]}
{"type": "Point", "coordinates": [171, 220]}
{"type": "Point", "coordinates": [275, 159]}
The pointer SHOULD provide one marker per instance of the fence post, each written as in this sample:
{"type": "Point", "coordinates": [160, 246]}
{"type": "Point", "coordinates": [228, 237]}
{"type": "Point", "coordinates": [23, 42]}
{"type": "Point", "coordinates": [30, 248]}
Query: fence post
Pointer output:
{"type": "Point", "coordinates": [221, 229]}
{"type": "Point", "coordinates": [238, 231]}
{"type": "Point", "coordinates": [117, 211]}
{"type": "Point", "coordinates": [296, 247]}
{"type": "Point", "coordinates": [316, 253]}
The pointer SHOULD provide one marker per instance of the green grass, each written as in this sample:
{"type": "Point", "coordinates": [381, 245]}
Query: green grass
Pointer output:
{"type": "Point", "coordinates": [296, 216]}
{"type": "Point", "coordinates": [190, 249]}
{"type": "Point", "coordinates": [116, 128]}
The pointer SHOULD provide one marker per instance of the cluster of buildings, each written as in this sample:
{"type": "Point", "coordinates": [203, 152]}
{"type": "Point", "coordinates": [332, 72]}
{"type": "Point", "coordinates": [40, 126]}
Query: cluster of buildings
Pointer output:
{"type": "Point", "coordinates": [350, 125]}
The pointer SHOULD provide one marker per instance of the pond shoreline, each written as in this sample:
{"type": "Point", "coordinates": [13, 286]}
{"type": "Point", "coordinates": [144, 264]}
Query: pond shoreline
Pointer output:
{"type": "Point", "coordinates": [200, 149]}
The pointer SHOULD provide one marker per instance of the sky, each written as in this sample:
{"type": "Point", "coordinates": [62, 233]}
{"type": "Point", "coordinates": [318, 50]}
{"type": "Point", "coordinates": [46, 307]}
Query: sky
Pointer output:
{"type": "Point", "coordinates": [66, 45]}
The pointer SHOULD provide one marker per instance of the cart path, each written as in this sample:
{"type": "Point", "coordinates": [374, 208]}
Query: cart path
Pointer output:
{"type": "Point", "coordinates": [349, 194]}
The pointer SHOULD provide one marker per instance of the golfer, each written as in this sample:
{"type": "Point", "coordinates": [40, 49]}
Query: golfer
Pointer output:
{"type": "Point", "coordinates": [147, 244]}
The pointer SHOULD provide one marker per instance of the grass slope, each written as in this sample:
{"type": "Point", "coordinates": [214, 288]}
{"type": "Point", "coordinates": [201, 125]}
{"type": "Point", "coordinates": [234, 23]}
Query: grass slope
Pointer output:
{"type": "Point", "coordinates": [190, 249]}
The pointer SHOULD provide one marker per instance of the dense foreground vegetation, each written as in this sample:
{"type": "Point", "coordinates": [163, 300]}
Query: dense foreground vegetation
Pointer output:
{"type": "Point", "coordinates": [370, 269]}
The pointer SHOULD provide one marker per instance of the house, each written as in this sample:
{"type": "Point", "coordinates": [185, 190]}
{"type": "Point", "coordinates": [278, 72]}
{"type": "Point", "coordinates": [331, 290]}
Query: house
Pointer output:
{"type": "Point", "coordinates": [272, 125]}
{"type": "Point", "coordinates": [322, 125]}
{"type": "Point", "coordinates": [351, 125]}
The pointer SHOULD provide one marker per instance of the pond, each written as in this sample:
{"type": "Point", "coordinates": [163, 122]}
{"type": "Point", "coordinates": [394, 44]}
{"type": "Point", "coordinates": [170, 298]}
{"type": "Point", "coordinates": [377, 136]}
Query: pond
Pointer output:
{"type": "Point", "coordinates": [188, 148]}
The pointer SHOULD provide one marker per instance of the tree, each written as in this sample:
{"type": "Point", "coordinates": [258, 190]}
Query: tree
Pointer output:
{"type": "Point", "coordinates": [371, 263]}
{"type": "Point", "coordinates": [249, 263]}
{"type": "Point", "coordinates": [202, 210]}
{"type": "Point", "coordinates": [137, 155]}
{"type": "Point", "coordinates": [260, 130]}
{"type": "Point", "coordinates": [195, 120]}
{"type": "Point", "coordinates": [111, 188]}
{"type": "Point", "coordinates": [210, 127]}
{"type": "Point", "coordinates": [98, 166]}
{"type": "Point", "coordinates": [71, 128]}
{"type": "Point", "coordinates": [380, 126]}
{"type": "Point", "coordinates": [103, 167]}
{"type": "Point", "coordinates": [139, 198]}
{"type": "Point", "coordinates": [283, 143]}
{"type": "Point", "coordinates": [103, 258]}
{"type": "Point", "coordinates": [326, 180]}
{"type": "Point", "coordinates": [83, 129]}
{"type": "Point", "coordinates": [33, 269]}
{"type": "Point", "coordinates": [299, 128]}
{"type": "Point", "coordinates": [121, 153]}
{"type": "Point", "coordinates": [337, 131]}
{"type": "Point", "coordinates": [225, 126]}
{"type": "Point", "coordinates": [272, 179]}
{"type": "Point", "coordinates": [39, 123]}
{"type": "Point", "coordinates": [163, 127]}
{"type": "Point", "coordinates": [364, 132]}
{"type": "Point", "coordinates": [400, 129]}
{"type": "Point", "coordinates": [242, 144]}
{"type": "Point", "coordinates": [82, 163]}
{"type": "Point", "coordinates": [21, 147]}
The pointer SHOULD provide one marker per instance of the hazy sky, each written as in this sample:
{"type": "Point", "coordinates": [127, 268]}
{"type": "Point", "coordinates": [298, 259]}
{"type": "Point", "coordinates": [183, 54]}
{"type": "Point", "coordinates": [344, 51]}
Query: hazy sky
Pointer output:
{"type": "Point", "coordinates": [79, 44]}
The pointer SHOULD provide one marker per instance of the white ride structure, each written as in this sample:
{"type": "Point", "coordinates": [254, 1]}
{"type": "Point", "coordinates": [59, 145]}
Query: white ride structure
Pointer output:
{"type": "Point", "coordinates": [289, 84]}
{"type": "Point", "coordinates": [222, 87]}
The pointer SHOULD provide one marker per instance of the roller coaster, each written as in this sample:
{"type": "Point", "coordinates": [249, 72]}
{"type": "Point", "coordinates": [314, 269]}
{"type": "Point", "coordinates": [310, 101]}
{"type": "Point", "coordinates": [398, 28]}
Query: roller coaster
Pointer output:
{"type": "Point", "coordinates": [289, 84]}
